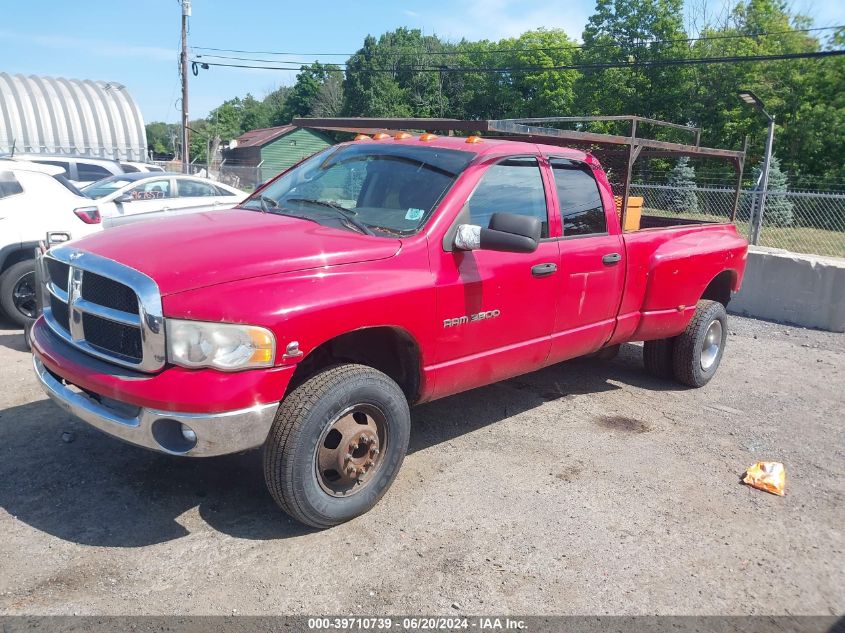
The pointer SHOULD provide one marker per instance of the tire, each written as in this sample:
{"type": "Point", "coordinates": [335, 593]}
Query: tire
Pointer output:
{"type": "Point", "coordinates": [298, 445]}
{"type": "Point", "coordinates": [698, 350]}
{"type": "Point", "coordinates": [17, 279]}
{"type": "Point", "coordinates": [27, 334]}
{"type": "Point", "coordinates": [657, 357]}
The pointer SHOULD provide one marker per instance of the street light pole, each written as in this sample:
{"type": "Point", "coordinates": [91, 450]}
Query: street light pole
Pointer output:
{"type": "Point", "coordinates": [764, 183]}
{"type": "Point", "coordinates": [756, 221]}
{"type": "Point", "coordinates": [186, 13]}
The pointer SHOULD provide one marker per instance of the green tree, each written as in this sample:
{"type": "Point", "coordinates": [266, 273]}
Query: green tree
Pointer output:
{"type": "Point", "coordinates": [254, 114]}
{"type": "Point", "coordinates": [160, 137]}
{"type": "Point", "coordinates": [778, 211]}
{"type": "Point", "coordinates": [306, 90]}
{"type": "Point", "coordinates": [682, 197]}
{"type": "Point", "coordinates": [628, 31]}
{"type": "Point", "coordinates": [274, 105]}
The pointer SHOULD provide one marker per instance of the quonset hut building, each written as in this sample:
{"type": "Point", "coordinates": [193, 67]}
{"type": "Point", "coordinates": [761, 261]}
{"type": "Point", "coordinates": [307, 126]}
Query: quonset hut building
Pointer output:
{"type": "Point", "coordinates": [54, 115]}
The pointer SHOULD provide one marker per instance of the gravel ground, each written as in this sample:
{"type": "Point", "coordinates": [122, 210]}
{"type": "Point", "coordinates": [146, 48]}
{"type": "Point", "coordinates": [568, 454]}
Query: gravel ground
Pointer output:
{"type": "Point", "coordinates": [585, 488]}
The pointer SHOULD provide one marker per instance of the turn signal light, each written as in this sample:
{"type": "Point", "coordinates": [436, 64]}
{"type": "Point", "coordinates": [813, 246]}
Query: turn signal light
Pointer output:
{"type": "Point", "coordinates": [89, 215]}
{"type": "Point", "coordinates": [362, 137]}
{"type": "Point", "coordinates": [380, 136]}
{"type": "Point", "coordinates": [428, 137]}
{"type": "Point", "coordinates": [474, 139]}
{"type": "Point", "coordinates": [402, 135]}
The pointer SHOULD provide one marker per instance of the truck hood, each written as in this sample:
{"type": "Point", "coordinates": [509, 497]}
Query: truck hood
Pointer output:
{"type": "Point", "coordinates": [203, 249]}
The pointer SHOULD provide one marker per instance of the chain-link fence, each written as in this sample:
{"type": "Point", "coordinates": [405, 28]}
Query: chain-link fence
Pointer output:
{"type": "Point", "coordinates": [244, 177]}
{"type": "Point", "coordinates": [801, 221]}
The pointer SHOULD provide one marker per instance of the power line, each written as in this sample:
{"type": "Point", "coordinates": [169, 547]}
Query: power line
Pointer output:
{"type": "Point", "coordinates": [401, 51]}
{"type": "Point", "coordinates": [596, 66]}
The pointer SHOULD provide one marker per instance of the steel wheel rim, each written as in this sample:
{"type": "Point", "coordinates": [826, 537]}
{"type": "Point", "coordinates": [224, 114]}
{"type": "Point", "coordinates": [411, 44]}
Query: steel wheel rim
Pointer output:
{"type": "Point", "coordinates": [351, 450]}
{"type": "Point", "coordinates": [711, 344]}
{"type": "Point", "coordinates": [23, 295]}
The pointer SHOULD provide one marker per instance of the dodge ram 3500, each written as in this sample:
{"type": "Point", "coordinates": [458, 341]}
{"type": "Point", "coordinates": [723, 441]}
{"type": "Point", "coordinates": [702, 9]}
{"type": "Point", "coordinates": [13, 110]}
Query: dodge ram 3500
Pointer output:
{"type": "Point", "coordinates": [378, 274]}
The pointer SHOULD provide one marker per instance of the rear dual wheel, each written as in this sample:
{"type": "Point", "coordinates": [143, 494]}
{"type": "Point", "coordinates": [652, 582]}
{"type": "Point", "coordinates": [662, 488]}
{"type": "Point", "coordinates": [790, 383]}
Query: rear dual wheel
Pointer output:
{"type": "Point", "coordinates": [336, 444]}
{"type": "Point", "coordinates": [693, 356]}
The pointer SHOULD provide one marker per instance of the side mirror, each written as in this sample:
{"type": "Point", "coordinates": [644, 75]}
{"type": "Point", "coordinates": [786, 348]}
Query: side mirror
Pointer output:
{"type": "Point", "coordinates": [508, 232]}
{"type": "Point", "coordinates": [124, 198]}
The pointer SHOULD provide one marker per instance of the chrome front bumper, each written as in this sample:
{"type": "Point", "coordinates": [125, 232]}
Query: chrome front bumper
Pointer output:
{"type": "Point", "coordinates": [216, 433]}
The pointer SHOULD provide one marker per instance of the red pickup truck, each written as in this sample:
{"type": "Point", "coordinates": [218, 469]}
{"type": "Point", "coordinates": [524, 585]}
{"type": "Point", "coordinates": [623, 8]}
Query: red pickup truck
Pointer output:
{"type": "Point", "coordinates": [378, 274]}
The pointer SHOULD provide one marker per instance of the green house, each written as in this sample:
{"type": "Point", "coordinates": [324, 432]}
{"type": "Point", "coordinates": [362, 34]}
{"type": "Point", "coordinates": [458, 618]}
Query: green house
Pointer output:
{"type": "Point", "coordinates": [272, 150]}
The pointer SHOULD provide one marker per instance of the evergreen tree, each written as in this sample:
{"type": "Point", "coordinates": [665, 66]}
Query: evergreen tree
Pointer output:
{"type": "Point", "coordinates": [682, 197]}
{"type": "Point", "coordinates": [778, 207]}
{"type": "Point", "coordinates": [778, 211]}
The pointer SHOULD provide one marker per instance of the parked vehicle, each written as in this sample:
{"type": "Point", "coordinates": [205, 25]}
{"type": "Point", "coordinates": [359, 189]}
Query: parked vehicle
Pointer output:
{"type": "Point", "coordinates": [375, 275]}
{"type": "Point", "coordinates": [34, 199]}
{"type": "Point", "coordinates": [80, 170]}
{"type": "Point", "coordinates": [130, 167]}
{"type": "Point", "coordinates": [144, 196]}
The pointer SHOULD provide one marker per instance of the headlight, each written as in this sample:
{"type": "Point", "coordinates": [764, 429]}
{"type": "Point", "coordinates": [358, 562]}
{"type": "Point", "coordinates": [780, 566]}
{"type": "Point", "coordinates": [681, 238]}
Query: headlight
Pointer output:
{"type": "Point", "coordinates": [223, 346]}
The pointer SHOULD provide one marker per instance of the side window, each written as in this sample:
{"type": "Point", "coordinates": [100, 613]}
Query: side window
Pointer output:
{"type": "Point", "coordinates": [57, 163]}
{"type": "Point", "coordinates": [514, 185]}
{"type": "Point", "coordinates": [195, 189]}
{"type": "Point", "coordinates": [224, 192]}
{"type": "Point", "coordinates": [129, 169]}
{"type": "Point", "coordinates": [9, 185]}
{"type": "Point", "coordinates": [153, 190]}
{"type": "Point", "coordinates": [87, 171]}
{"type": "Point", "coordinates": [579, 197]}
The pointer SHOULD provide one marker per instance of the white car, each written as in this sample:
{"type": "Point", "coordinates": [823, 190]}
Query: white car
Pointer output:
{"type": "Point", "coordinates": [144, 196]}
{"type": "Point", "coordinates": [34, 199]}
{"type": "Point", "coordinates": [80, 170]}
{"type": "Point", "coordinates": [131, 167]}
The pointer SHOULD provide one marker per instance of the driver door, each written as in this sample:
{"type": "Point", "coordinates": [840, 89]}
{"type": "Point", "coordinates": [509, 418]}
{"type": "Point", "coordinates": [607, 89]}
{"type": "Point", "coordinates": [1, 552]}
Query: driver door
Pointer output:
{"type": "Point", "coordinates": [496, 310]}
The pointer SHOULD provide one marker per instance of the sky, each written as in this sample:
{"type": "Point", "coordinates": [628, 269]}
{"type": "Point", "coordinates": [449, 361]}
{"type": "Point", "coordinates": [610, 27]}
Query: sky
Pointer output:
{"type": "Point", "coordinates": [137, 43]}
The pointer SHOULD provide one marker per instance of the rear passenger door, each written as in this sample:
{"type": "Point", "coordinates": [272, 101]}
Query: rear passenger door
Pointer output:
{"type": "Point", "coordinates": [194, 194]}
{"type": "Point", "coordinates": [592, 266]}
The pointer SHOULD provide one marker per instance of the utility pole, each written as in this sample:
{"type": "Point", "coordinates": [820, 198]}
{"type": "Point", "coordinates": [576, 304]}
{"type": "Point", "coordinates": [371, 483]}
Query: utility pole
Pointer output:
{"type": "Point", "coordinates": [186, 13]}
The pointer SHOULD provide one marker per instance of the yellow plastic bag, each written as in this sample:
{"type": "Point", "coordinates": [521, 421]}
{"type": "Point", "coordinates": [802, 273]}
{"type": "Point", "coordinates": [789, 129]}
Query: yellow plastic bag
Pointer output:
{"type": "Point", "coordinates": [768, 476]}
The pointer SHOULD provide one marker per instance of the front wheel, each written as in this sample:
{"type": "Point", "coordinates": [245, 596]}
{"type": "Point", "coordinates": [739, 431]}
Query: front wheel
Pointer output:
{"type": "Point", "coordinates": [17, 292]}
{"type": "Point", "coordinates": [336, 444]}
{"type": "Point", "coordinates": [698, 349]}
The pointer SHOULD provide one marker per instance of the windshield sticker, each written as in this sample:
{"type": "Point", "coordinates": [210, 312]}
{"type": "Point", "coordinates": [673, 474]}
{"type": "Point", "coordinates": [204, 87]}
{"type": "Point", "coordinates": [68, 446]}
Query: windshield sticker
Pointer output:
{"type": "Point", "coordinates": [414, 214]}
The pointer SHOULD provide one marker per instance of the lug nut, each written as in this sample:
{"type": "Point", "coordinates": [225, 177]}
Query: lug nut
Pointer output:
{"type": "Point", "coordinates": [373, 451]}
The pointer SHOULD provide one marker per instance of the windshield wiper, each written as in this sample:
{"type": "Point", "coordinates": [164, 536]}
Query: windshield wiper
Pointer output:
{"type": "Point", "coordinates": [346, 214]}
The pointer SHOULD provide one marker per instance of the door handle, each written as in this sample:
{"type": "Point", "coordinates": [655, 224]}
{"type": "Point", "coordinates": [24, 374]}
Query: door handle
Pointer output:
{"type": "Point", "coordinates": [611, 258]}
{"type": "Point", "coordinates": [541, 270]}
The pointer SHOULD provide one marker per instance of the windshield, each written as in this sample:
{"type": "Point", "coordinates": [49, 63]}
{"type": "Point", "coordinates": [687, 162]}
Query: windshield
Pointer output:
{"type": "Point", "coordinates": [366, 187]}
{"type": "Point", "coordinates": [104, 187]}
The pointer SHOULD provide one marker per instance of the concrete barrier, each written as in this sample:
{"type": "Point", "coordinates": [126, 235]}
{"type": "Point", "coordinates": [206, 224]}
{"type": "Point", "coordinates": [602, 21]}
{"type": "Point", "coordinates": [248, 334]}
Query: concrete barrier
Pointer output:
{"type": "Point", "coordinates": [805, 290]}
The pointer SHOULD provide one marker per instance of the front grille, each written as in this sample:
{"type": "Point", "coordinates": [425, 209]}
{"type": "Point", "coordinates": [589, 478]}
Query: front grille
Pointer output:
{"type": "Point", "coordinates": [60, 312]}
{"type": "Point", "coordinates": [107, 310]}
{"type": "Point", "coordinates": [58, 272]}
{"type": "Point", "coordinates": [107, 292]}
{"type": "Point", "coordinates": [113, 338]}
